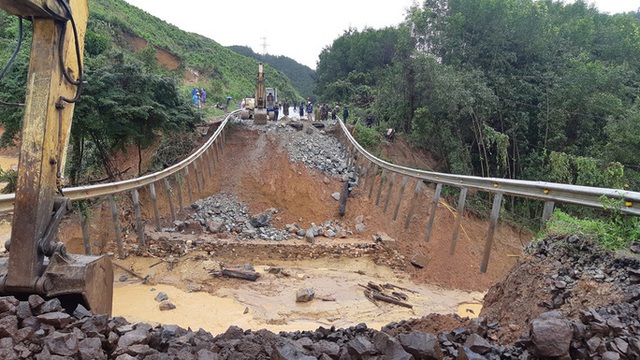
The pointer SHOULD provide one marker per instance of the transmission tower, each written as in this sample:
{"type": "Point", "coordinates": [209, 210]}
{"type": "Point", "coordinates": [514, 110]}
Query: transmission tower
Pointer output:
{"type": "Point", "coordinates": [264, 45]}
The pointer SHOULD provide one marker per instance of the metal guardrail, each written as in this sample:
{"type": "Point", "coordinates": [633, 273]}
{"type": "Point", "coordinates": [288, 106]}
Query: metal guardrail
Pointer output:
{"type": "Point", "coordinates": [549, 193]}
{"type": "Point", "coordinates": [539, 190]}
{"type": "Point", "coordinates": [100, 190]}
{"type": "Point", "coordinates": [208, 157]}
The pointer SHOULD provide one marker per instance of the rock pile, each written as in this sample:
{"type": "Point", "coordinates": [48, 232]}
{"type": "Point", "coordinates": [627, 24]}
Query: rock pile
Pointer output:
{"type": "Point", "coordinates": [317, 150]}
{"type": "Point", "coordinates": [224, 213]}
{"type": "Point", "coordinates": [39, 329]}
{"type": "Point", "coordinates": [311, 146]}
{"type": "Point", "coordinates": [578, 259]}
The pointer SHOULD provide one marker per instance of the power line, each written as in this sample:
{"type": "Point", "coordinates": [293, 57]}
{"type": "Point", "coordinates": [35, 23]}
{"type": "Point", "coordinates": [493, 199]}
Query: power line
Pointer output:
{"type": "Point", "coordinates": [264, 45]}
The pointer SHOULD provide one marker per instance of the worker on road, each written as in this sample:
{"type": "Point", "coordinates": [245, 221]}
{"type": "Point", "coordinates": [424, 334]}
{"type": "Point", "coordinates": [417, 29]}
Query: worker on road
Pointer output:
{"type": "Point", "coordinates": [310, 111]}
{"type": "Point", "coordinates": [276, 111]}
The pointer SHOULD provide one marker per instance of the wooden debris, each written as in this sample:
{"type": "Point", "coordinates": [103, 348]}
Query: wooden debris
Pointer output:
{"type": "Point", "coordinates": [374, 286]}
{"type": "Point", "coordinates": [171, 260]}
{"type": "Point", "coordinates": [391, 286]}
{"type": "Point", "coordinates": [241, 274]}
{"type": "Point", "coordinates": [400, 295]}
{"type": "Point", "coordinates": [385, 298]}
{"type": "Point", "coordinates": [156, 264]}
{"type": "Point", "coordinates": [375, 292]}
{"type": "Point", "coordinates": [130, 272]}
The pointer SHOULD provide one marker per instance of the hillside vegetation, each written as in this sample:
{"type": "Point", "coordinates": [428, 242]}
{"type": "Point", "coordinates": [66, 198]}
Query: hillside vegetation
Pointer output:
{"type": "Point", "coordinates": [139, 71]}
{"type": "Point", "coordinates": [221, 71]}
{"type": "Point", "coordinates": [521, 89]}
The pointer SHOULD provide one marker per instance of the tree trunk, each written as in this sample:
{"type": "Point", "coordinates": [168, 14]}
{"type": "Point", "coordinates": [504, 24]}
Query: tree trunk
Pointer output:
{"type": "Point", "coordinates": [76, 160]}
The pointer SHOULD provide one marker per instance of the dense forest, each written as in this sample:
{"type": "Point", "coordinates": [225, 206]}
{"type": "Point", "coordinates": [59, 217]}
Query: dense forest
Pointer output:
{"type": "Point", "coordinates": [521, 89]}
{"type": "Point", "coordinates": [139, 71]}
{"type": "Point", "coordinates": [302, 77]}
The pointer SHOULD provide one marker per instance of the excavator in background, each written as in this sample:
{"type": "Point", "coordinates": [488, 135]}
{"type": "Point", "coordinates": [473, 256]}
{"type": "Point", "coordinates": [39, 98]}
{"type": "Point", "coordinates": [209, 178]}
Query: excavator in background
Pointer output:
{"type": "Point", "coordinates": [260, 111]}
{"type": "Point", "coordinates": [37, 262]}
{"type": "Point", "coordinates": [261, 107]}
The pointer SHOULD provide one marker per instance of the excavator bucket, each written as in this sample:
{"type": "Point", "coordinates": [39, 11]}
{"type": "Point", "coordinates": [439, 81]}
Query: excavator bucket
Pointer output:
{"type": "Point", "coordinates": [38, 263]}
{"type": "Point", "coordinates": [74, 279]}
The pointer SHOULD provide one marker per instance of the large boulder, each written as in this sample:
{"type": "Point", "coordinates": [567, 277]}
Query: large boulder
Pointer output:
{"type": "Point", "coordinates": [551, 335]}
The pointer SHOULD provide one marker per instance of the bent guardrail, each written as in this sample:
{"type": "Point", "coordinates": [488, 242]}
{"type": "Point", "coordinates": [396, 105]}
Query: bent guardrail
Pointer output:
{"type": "Point", "coordinates": [549, 193]}
{"type": "Point", "coordinates": [205, 155]}
{"type": "Point", "coordinates": [98, 190]}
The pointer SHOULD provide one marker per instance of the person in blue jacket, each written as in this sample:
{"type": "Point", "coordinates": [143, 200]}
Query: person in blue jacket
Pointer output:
{"type": "Point", "coordinates": [310, 111]}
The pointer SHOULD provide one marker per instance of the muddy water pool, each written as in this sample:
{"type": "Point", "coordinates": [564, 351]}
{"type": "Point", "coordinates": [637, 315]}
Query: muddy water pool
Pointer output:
{"type": "Point", "coordinates": [270, 301]}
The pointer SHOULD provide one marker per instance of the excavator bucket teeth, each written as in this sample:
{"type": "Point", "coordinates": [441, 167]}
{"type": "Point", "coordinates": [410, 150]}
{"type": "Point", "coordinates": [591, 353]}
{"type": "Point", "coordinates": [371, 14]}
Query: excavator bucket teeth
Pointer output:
{"type": "Point", "coordinates": [89, 279]}
{"type": "Point", "coordinates": [74, 279]}
{"type": "Point", "coordinates": [260, 117]}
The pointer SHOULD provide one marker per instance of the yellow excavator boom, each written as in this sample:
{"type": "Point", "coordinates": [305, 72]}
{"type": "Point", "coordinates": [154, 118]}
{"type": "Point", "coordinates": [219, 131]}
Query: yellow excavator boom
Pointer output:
{"type": "Point", "coordinates": [37, 263]}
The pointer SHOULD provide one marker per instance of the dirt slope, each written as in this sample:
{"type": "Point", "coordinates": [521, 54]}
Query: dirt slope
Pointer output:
{"type": "Point", "coordinates": [256, 168]}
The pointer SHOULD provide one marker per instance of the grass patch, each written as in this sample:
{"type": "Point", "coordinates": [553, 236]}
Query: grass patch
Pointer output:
{"type": "Point", "coordinates": [616, 232]}
{"type": "Point", "coordinates": [367, 137]}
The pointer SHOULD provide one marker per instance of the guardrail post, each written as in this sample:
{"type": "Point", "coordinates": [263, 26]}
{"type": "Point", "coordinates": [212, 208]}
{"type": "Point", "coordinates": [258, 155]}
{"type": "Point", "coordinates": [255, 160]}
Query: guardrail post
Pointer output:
{"type": "Point", "coordinates": [116, 226]}
{"type": "Point", "coordinates": [140, 227]}
{"type": "Point", "coordinates": [152, 187]}
{"type": "Point", "coordinates": [222, 142]}
{"type": "Point", "coordinates": [366, 174]}
{"type": "Point", "coordinates": [495, 213]}
{"type": "Point", "coordinates": [205, 158]}
{"type": "Point", "coordinates": [382, 178]}
{"type": "Point", "coordinates": [546, 213]}
{"type": "Point", "coordinates": [186, 173]}
{"type": "Point", "coordinates": [223, 133]}
{"type": "Point", "coordinates": [213, 157]}
{"type": "Point", "coordinates": [350, 154]}
{"type": "Point", "coordinates": [173, 210]}
{"type": "Point", "coordinates": [216, 149]}
{"type": "Point", "coordinates": [361, 171]}
{"type": "Point", "coordinates": [432, 216]}
{"type": "Point", "coordinates": [404, 184]}
{"type": "Point", "coordinates": [373, 180]}
{"type": "Point", "coordinates": [204, 182]}
{"type": "Point", "coordinates": [85, 235]}
{"type": "Point", "coordinates": [386, 201]}
{"type": "Point", "coordinates": [179, 186]}
{"type": "Point", "coordinates": [195, 174]}
{"type": "Point", "coordinates": [412, 207]}
{"type": "Point", "coordinates": [459, 213]}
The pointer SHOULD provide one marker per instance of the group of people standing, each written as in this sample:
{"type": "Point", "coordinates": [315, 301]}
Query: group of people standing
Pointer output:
{"type": "Point", "coordinates": [323, 110]}
{"type": "Point", "coordinates": [199, 96]}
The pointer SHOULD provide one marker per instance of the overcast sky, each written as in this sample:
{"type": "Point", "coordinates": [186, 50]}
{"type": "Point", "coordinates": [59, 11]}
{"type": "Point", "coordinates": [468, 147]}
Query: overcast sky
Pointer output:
{"type": "Point", "coordinates": [293, 28]}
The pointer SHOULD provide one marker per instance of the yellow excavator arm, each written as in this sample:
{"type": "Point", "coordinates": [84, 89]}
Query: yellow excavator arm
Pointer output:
{"type": "Point", "coordinates": [37, 262]}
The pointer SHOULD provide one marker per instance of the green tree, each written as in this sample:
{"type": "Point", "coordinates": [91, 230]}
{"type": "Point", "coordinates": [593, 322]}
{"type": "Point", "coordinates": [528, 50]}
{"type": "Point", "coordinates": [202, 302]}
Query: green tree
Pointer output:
{"type": "Point", "coordinates": [122, 105]}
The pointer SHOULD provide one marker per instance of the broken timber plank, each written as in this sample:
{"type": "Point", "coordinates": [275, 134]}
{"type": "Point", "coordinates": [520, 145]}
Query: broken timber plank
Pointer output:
{"type": "Point", "coordinates": [385, 298]}
{"type": "Point", "coordinates": [241, 274]}
{"type": "Point", "coordinates": [373, 294]}
{"type": "Point", "coordinates": [128, 271]}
